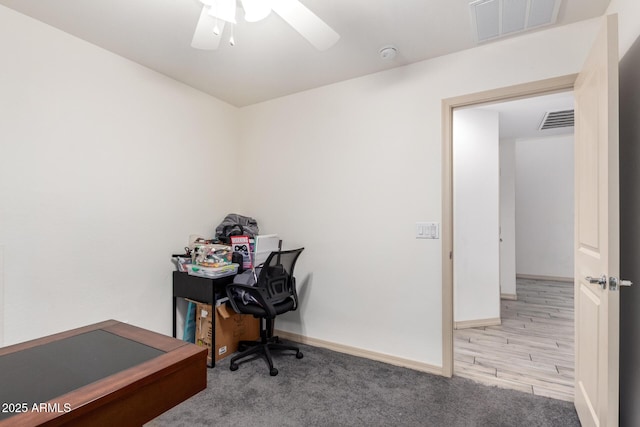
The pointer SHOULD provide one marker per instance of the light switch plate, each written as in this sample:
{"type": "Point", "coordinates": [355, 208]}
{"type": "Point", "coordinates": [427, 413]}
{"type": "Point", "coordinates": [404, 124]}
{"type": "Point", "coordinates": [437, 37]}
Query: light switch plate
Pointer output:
{"type": "Point", "coordinates": [427, 230]}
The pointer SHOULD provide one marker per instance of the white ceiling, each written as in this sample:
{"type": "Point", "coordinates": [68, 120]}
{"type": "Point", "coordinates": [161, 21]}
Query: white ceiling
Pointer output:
{"type": "Point", "coordinates": [270, 59]}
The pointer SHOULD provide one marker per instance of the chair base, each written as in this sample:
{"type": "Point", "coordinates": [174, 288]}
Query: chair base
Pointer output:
{"type": "Point", "coordinates": [262, 348]}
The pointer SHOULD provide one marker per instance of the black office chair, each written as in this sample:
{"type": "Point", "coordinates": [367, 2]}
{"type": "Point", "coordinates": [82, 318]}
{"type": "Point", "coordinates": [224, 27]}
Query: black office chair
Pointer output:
{"type": "Point", "coordinates": [273, 294]}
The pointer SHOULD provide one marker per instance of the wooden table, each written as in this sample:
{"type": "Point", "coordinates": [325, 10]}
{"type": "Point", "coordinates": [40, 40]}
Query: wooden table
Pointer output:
{"type": "Point", "coordinates": [106, 374]}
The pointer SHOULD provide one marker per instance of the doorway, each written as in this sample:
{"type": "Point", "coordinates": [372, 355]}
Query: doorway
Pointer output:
{"type": "Point", "coordinates": [519, 339]}
{"type": "Point", "coordinates": [543, 87]}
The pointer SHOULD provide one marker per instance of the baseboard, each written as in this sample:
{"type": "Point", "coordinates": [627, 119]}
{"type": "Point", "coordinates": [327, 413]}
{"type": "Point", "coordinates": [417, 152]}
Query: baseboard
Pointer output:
{"type": "Point", "coordinates": [367, 354]}
{"type": "Point", "coordinates": [477, 323]}
{"type": "Point", "coordinates": [548, 278]}
{"type": "Point", "coordinates": [511, 297]}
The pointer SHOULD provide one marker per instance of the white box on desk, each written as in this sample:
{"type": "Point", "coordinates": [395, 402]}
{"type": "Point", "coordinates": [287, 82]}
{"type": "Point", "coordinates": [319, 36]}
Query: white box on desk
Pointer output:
{"type": "Point", "coordinates": [265, 244]}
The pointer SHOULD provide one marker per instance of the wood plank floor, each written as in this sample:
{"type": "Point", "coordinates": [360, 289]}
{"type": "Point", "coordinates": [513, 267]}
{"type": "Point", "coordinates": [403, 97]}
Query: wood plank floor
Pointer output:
{"type": "Point", "coordinates": [532, 350]}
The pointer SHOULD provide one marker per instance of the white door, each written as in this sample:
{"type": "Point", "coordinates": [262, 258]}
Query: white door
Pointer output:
{"type": "Point", "coordinates": [597, 231]}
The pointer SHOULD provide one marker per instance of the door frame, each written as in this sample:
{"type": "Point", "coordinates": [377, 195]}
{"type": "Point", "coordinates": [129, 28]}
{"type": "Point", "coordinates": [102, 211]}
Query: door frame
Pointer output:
{"type": "Point", "coordinates": [520, 91]}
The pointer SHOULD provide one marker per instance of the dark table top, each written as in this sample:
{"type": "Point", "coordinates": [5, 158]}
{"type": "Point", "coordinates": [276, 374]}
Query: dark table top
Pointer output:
{"type": "Point", "coordinates": [39, 374]}
{"type": "Point", "coordinates": [105, 374]}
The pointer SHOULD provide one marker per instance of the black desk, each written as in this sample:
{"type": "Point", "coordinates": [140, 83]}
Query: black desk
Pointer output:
{"type": "Point", "coordinates": [105, 374]}
{"type": "Point", "coordinates": [199, 289]}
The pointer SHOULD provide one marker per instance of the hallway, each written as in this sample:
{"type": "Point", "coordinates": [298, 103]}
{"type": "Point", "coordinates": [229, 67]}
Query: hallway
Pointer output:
{"type": "Point", "coordinates": [532, 351]}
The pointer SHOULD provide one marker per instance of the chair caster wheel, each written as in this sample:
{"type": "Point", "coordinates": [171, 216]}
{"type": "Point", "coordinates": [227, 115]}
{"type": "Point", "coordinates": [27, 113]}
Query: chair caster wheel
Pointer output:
{"type": "Point", "coordinates": [273, 372]}
{"type": "Point", "coordinates": [299, 355]}
{"type": "Point", "coordinates": [233, 366]}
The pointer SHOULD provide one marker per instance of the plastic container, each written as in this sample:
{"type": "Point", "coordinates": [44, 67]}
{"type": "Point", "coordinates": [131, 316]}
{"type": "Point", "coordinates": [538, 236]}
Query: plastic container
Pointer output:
{"type": "Point", "coordinates": [212, 272]}
{"type": "Point", "coordinates": [212, 255]}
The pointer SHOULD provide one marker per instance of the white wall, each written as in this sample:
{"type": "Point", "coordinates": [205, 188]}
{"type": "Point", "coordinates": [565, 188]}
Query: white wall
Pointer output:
{"type": "Point", "coordinates": [346, 170]}
{"type": "Point", "coordinates": [476, 206]}
{"type": "Point", "coordinates": [105, 169]}
{"type": "Point", "coordinates": [628, 22]}
{"type": "Point", "coordinates": [507, 217]}
{"type": "Point", "coordinates": [544, 206]}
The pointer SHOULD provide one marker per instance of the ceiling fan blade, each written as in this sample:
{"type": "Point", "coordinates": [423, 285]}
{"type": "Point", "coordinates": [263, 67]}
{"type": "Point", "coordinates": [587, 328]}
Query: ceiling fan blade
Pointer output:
{"type": "Point", "coordinates": [204, 36]}
{"type": "Point", "coordinates": [307, 23]}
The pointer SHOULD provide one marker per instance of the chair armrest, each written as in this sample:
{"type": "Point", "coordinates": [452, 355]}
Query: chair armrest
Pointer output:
{"type": "Point", "coordinates": [260, 294]}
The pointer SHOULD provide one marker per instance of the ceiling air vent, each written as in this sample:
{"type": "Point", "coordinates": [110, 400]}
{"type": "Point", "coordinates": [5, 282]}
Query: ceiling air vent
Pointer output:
{"type": "Point", "coordinates": [496, 18]}
{"type": "Point", "coordinates": [557, 119]}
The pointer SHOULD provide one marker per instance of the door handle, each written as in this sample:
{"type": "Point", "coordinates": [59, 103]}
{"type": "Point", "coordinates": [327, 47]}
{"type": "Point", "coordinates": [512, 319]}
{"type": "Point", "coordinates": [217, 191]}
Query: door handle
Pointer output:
{"type": "Point", "coordinates": [602, 281]}
{"type": "Point", "coordinates": [614, 283]}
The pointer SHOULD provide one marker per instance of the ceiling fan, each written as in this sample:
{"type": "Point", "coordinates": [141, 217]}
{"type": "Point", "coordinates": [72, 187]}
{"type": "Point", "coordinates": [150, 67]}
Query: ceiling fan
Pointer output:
{"type": "Point", "coordinates": [215, 13]}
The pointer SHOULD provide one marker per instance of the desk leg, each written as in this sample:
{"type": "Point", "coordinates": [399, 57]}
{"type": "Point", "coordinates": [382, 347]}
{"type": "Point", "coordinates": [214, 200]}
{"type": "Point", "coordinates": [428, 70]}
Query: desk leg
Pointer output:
{"type": "Point", "coordinates": [174, 316]}
{"type": "Point", "coordinates": [213, 326]}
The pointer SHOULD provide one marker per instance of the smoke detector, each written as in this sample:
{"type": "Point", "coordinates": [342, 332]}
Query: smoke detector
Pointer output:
{"type": "Point", "coordinates": [388, 52]}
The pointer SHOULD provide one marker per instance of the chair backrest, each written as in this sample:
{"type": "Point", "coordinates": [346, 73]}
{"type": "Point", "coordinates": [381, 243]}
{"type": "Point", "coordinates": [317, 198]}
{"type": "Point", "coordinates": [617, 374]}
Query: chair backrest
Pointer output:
{"type": "Point", "coordinates": [276, 274]}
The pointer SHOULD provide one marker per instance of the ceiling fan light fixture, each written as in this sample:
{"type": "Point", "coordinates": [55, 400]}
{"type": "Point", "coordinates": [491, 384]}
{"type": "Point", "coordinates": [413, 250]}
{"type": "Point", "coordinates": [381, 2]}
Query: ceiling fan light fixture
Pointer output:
{"type": "Point", "coordinates": [223, 9]}
{"type": "Point", "coordinates": [208, 31]}
{"type": "Point", "coordinates": [232, 38]}
{"type": "Point", "coordinates": [256, 10]}
{"type": "Point", "coordinates": [307, 23]}
{"type": "Point", "coordinates": [215, 13]}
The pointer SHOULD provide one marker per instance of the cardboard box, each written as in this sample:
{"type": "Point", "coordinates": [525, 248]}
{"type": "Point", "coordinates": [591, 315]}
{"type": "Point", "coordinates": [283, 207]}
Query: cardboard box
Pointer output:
{"type": "Point", "coordinates": [231, 328]}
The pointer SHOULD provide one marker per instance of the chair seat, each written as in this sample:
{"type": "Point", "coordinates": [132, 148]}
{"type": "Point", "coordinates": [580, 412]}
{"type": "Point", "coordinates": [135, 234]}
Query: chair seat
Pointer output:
{"type": "Point", "coordinates": [256, 310]}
